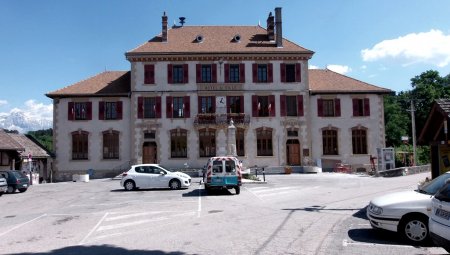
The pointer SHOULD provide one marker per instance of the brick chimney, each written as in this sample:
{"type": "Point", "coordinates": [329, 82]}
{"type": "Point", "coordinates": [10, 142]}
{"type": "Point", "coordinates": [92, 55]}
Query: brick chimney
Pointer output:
{"type": "Point", "coordinates": [278, 29]}
{"type": "Point", "coordinates": [270, 27]}
{"type": "Point", "coordinates": [164, 28]}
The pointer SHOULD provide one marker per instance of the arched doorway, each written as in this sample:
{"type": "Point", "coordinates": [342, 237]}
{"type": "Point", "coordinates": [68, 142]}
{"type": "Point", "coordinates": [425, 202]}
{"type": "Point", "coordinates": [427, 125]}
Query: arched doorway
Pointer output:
{"type": "Point", "coordinates": [149, 150]}
{"type": "Point", "coordinates": [293, 152]}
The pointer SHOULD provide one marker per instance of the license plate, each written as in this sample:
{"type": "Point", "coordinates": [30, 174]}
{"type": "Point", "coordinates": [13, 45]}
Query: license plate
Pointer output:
{"type": "Point", "coordinates": [25, 185]}
{"type": "Point", "coordinates": [443, 214]}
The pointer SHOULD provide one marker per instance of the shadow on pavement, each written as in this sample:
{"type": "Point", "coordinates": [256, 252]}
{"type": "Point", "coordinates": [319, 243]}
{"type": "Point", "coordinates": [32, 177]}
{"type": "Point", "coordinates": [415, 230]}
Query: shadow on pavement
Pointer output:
{"type": "Point", "coordinates": [202, 193]}
{"type": "Point", "coordinates": [99, 250]}
{"type": "Point", "coordinates": [139, 190]}
{"type": "Point", "coordinates": [318, 208]}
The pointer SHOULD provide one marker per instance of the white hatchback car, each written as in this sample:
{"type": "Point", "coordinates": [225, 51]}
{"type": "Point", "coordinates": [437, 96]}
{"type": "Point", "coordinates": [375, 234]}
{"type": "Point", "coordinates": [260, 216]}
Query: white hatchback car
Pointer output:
{"type": "Point", "coordinates": [406, 212]}
{"type": "Point", "coordinates": [440, 218]}
{"type": "Point", "coordinates": [147, 176]}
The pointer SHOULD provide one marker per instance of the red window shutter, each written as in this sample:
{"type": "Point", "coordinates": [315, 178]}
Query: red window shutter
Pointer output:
{"type": "Point", "coordinates": [283, 72]}
{"type": "Point", "coordinates": [337, 107]}
{"type": "Point", "coordinates": [214, 73]}
{"type": "Point", "coordinates": [272, 105]}
{"type": "Point", "coordinates": [198, 73]}
{"type": "Point", "coordinates": [185, 73]}
{"type": "Point", "coordinates": [241, 101]}
{"type": "Point", "coordinates": [140, 108]}
{"type": "Point", "coordinates": [298, 72]}
{"type": "Point", "coordinates": [366, 107]}
{"type": "Point", "coordinates": [283, 105]}
{"type": "Point", "coordinates": [255, 73]}
{"type": "Point", "coordinates": [320, 107]}
{"type": "Point", "coordinates": [242, 73]}
{"type": "Point", "coordinates": [101, 110]}
{"type": "Point", "coordinates": [187, 106]}
{"type": "Point", "coordinates": [119, 110]}
{"type": "Point", "coordinates": [227, 73]}
{"type": "Point", "coordinates": [270, 72]}
{"type": "Point", "coordinates": [300, 111]}
{"type": "Point", "coordinates": [149, 74]}
{"type": "Point", "coordinates": [71, 111]}
{"type": "Point", "coordinates": [355, 107]}
{"type": "Point", "coordinates": [170, 73]}
{"type": "Point", "coordinates": [89, 111]}
{"type": "Point", "coordinates": [169, 107]}
{"type": "Point", "coordinates": [158, 107]}
{"type": "Point", "coordinates": [255, 106]}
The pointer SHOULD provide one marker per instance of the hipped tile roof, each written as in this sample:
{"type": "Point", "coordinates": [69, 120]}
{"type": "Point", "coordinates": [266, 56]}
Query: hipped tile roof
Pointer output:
{"type": "Point", "coordinates": [108, 83]}
{"type": "Point", "coordinates": [216, 39]}
{"type": "Point", "coordinates": [8, 143]}
{"type": "Point", "coordinates": [30, 147]}
{"type": "Point", "coordinates": [326, 82]}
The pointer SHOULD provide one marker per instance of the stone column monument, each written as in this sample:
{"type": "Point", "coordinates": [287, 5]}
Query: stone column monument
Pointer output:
{"type": "Point", "coordinates": [231, 139]}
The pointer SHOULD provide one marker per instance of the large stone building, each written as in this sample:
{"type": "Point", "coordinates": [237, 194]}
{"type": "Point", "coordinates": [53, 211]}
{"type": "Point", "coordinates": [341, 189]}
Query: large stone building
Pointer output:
{"type": "Point", "coordinates": [187, 83]}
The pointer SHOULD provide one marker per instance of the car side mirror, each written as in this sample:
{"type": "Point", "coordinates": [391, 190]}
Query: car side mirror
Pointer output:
{"type": "Point", "coordinates": [162, 173]}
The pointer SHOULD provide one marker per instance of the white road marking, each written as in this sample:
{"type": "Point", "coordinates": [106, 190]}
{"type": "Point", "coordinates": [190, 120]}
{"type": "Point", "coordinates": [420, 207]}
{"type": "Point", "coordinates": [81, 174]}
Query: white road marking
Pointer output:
{"type": "Point", "coordinates": [249, 190]}
{"type": "Point", "coordinates": [128, 224]}
{"type": "Point", "coordinates": [272, 189]}
{"type": "Point", "coordinates": [136, 201]}
{"type": "Point", "coordinates": [199, 210]}
{"type": "Point", "coordinates": [275, 193]}
{"type": "Point", "coordinates": [23, 224]}
{"type": "Point", "coordinates": [130, 215]}
{"type": "Point", "coordinates": [346, 243]}
{"type": "Point", "coordinates": [93, 229]}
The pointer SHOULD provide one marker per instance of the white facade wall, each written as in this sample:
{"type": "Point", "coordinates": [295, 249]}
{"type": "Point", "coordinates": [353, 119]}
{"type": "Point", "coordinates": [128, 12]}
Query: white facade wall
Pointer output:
{"type": "Point", "coordinates": [63, 128]}
{"type": "Point", "coordinates": [163, 125]}
{"type": "Point", "coordinates": [373, 123]}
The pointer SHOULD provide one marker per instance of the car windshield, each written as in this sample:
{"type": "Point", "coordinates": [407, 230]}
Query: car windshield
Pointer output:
{"type": "Point", "coordinates": [444, 193]}
{"type": "Point", "coordinates": [432, 187]}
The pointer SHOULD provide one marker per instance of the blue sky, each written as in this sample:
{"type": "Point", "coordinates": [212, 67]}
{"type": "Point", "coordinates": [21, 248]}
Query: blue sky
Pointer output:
{"type": "Point", "coordinates": [48, 44]}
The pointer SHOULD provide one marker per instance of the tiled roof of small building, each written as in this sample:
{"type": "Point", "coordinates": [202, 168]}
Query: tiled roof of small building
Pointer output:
{"type": "Point", "coordinates": [444, 104]}
{"type": "Point", "coordinates": [8, 143]}
{"type": "Point", "coordinates": [30, 147]}
{"type": "Point", "coordinates": [326, 81]}
{"type": "Point", "coordinates": [216, 39]}
{"type": "Point", "coordinates": [106, 83]}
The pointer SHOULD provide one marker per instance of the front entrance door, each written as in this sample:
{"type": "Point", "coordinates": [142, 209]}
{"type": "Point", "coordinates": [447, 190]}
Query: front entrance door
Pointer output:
{"type": "Point", "coordinates": [293, 152]}
{"type": "Point", "coordinates": [149, 153]}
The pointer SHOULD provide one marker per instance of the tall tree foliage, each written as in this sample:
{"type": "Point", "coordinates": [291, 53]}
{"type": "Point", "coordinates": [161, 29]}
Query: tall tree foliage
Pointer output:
{"type": "Point", "coordinates": [426, 88]}
{"type": "Point", "coordinates": [45, 137]}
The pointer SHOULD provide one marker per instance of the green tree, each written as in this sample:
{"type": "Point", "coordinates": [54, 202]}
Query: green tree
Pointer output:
{"type": "Point", "coordinates": [45, 137]}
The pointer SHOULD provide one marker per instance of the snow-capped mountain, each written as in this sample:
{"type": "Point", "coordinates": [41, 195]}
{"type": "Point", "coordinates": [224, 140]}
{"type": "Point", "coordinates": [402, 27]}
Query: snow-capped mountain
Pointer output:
{"type": "Point", "coordinates": [19, 120]}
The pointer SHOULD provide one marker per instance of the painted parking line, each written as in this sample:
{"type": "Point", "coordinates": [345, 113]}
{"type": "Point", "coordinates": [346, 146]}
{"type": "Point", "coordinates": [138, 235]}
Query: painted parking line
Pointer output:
{"type": "Point", "coordinates": [346, 243]}
{"type": "Point", "coordinates": [93, 229]}
{"type": "Point", "coordinates": [23, 224]}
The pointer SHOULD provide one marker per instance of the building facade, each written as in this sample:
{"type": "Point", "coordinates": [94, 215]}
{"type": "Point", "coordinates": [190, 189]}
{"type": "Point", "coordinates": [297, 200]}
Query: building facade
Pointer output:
{"type": "Point", "coordinates": [186, 84]}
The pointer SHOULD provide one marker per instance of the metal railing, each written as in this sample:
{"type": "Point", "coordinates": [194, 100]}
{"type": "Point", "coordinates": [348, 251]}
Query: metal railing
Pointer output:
{"type": "Point", "coordinates": [221, 119]}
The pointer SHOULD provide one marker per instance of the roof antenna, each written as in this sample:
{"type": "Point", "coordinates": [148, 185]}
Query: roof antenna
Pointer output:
{"type": "Point", "coordinates": [182, 20]}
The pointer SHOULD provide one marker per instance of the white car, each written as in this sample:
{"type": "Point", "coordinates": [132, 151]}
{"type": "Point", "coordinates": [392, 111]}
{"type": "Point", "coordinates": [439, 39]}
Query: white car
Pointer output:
{"type": "Point", "coordinates": [147, 176]}
{"type": "Point", "coordinates": [406, 212]}
{"type": "Point", "coordinates": [440, 218]}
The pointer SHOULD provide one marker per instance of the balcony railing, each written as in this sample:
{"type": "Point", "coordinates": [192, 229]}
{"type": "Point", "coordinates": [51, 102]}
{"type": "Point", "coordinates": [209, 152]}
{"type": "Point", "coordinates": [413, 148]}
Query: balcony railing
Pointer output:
{"type": "Point", "coordinates": [205, 119]}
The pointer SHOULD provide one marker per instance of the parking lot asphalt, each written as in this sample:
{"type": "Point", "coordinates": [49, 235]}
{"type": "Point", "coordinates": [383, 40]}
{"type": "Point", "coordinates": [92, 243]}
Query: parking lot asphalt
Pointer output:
{"type": "Point", "coordinates": [289, 214]}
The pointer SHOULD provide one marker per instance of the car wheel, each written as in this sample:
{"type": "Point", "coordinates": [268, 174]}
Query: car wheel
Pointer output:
{"type": "Point", "coordinates": [415, 229]}
{"type": "Point", "coordinates": [129, 185]}
{"type": "Point", "coordinates": [1, 193]}
{"type": "Point", "coordinates": [174, 184]}
{"type": "Point", "coordinates": [22, 190]}
{"type": "Point", "coordinates": [238, 190]}
{"type": "Point", "coordinates": [11, 189]}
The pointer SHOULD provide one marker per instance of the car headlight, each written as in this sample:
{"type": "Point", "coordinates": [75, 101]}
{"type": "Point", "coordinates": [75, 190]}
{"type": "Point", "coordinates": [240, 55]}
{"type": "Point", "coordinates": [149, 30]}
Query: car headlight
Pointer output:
{"type": "Point", "coordinates": [375, 209]}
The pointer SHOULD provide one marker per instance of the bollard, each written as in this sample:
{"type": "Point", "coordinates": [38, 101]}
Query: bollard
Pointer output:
{"type": "Point", "coordinates": [264, 175]}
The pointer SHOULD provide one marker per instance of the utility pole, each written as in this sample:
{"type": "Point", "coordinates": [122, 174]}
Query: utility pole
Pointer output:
{"type": "Point", "coordinates": [413, 123]}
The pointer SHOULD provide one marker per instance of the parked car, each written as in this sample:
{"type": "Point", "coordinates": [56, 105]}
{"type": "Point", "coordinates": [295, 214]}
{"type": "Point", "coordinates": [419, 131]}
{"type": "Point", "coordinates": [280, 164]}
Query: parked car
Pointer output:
{"type": "Point", "coordinates": [16, 180]}
{"type": "Point", "coordinates": [3, 185]}
{"type": "Point", "coordinates": [406, 212]}
{"type": "Point", "coordinates": [146, 176]}
{"type": "Point", "coordinates": [440, 218]}
{"type": "Point", "coordinates": [223, 173]}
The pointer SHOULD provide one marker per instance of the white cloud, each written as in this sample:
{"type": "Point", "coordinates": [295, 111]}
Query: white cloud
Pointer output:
{"type": "Point", "coordinates": [38, 110]}
{"type": "Point", "coordinates": [313, 67]}
{"type": "Point", "coordinates": [339, 69]}
{"type": "Point", "coordinates": [3, 102]}
{"type": "Point", "coordinates": [431, 47]}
